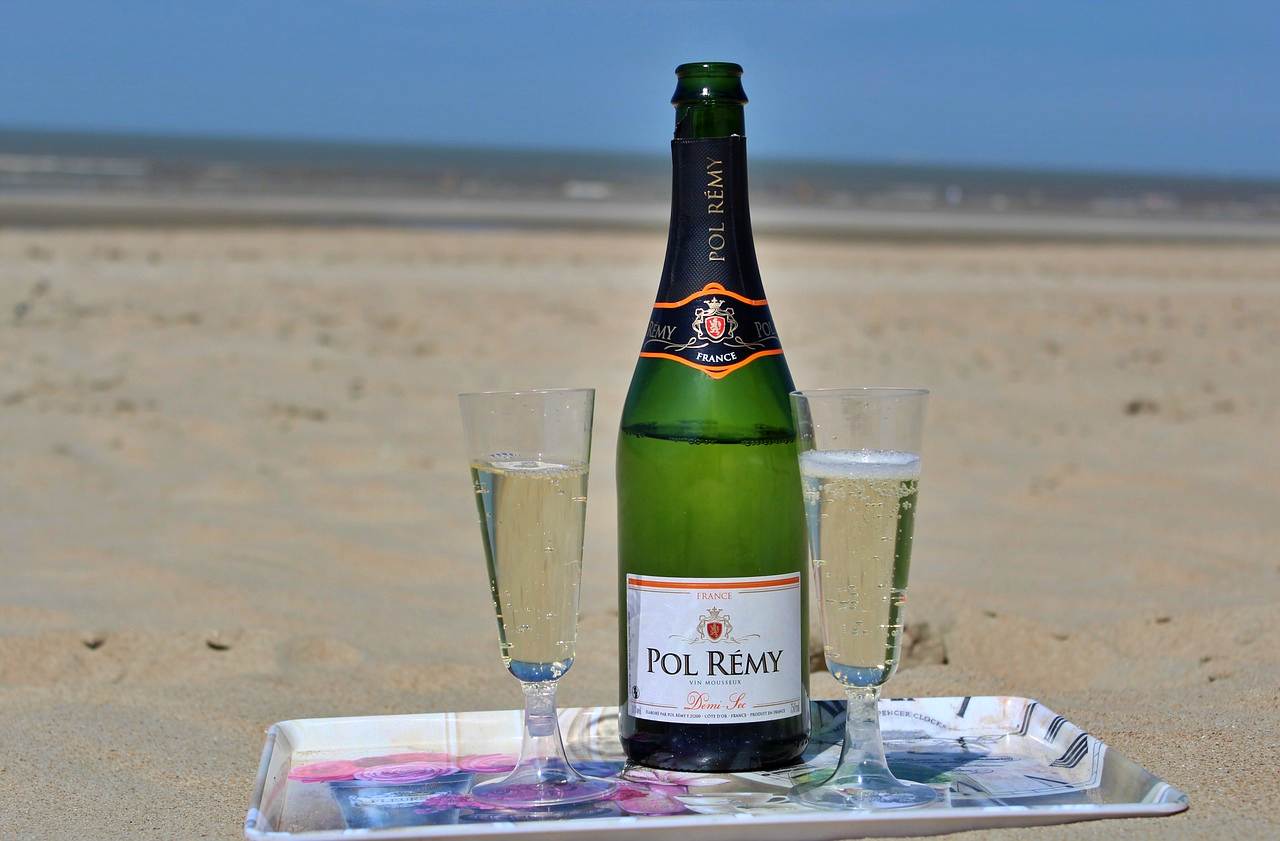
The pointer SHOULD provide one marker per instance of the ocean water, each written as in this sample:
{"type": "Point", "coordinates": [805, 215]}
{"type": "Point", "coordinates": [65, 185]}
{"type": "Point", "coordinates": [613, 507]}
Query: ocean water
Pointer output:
{"type": "Point", "coordinates": [119, 165]}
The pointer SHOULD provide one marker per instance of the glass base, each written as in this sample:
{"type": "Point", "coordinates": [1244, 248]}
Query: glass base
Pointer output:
{"type": "Point", "coordinates": [880, 792]}
{"type": "Point", "coordinates": [524, 794]}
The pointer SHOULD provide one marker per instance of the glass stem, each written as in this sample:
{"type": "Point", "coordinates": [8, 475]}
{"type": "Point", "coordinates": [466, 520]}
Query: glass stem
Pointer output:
{"type": "Point", "coordinates": [542, 750]}
{"type": "Point", "coordinates": [862, 757]}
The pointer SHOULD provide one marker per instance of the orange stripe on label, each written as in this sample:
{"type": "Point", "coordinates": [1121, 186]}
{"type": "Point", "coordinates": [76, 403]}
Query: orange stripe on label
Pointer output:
{"type": "Point", "coordinates": [711, 585]}
{"type": "Point", "coordinates": [707, 290]}
{"type": "Point", "coordinates": [715, 372]}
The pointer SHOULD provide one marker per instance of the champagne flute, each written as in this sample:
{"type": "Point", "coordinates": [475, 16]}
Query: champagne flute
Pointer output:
{"type": "Point", "coordinates": [860, 466]}
{"type": "Point", "coordinates": [529, 455]}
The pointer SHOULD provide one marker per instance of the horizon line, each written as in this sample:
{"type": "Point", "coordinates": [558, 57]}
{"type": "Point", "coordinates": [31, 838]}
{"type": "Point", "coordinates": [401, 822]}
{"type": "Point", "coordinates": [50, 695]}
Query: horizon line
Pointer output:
{"type": "Point", "coordinates": [635, 154]}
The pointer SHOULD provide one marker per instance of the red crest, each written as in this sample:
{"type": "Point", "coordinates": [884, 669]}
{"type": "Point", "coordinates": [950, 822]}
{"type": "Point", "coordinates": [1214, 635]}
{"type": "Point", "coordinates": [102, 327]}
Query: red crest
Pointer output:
{"type": "Point", "coordinates": [715, 325]}
{"type": "Point", "coordinates": [715, 629]}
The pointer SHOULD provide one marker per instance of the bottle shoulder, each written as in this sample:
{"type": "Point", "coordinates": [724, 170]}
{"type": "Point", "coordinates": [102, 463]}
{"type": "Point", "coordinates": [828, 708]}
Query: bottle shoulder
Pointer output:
{"type": "Point", "coordinates": [668, 399]}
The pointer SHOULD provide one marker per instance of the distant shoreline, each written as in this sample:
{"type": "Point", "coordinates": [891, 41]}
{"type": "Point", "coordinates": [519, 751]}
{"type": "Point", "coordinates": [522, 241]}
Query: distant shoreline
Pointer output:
{"type": "Point", "coordinates": [91, 209]}
{"type": "Point", "coordinates": [60, 178]}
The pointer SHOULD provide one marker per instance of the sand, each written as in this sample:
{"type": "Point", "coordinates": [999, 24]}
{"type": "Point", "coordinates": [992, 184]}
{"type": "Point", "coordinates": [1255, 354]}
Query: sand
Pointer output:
{"type": "Point", "coordinates": [232, 491]}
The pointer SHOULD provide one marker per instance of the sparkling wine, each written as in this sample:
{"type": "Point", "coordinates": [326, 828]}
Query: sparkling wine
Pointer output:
{"type": "Point", "coordinates": [711, 546]}
{"type": "Point", "coordinates": [861, 507]}
{"type": "Point", "coordinates": [532, 516]}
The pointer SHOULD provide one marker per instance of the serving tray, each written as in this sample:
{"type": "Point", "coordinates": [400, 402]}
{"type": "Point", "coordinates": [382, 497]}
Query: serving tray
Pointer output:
{"type": "Point", "coordinates": [996, 761]}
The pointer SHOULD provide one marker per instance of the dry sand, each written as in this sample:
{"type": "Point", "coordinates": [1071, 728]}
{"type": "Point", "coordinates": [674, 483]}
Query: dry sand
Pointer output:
{"type": "Point", "coordinates": [232, 492]}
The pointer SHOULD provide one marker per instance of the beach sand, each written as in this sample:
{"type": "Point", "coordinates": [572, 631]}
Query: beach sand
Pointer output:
{"type": "Point", "coordinates": [232, 491]}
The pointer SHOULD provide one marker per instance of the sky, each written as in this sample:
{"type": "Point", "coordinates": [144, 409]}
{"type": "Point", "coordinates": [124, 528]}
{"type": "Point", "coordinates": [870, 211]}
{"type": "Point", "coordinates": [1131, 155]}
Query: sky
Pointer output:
{"type": "Point", "coordinates": [1165, 86]}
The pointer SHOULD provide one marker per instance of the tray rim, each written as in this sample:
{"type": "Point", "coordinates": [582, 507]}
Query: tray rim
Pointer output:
{"type": "Point", "coordinates": [1043, 815]}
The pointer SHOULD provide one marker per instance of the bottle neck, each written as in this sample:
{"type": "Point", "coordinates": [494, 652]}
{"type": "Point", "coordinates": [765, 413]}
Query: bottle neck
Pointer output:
{"type": "Point", "coordinates": [705, 120]}
{"type": "Point", "coordinates": [710, 235]}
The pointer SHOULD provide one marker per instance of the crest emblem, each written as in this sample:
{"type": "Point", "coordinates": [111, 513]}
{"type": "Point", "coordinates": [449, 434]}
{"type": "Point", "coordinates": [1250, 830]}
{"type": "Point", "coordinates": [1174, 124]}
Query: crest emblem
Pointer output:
{"type": "Point", "coordinates": [715, 325]}
{"type": "Point", "coordinates": [715, 321]}
{"type": "Point", "coordinates": [714, 625]}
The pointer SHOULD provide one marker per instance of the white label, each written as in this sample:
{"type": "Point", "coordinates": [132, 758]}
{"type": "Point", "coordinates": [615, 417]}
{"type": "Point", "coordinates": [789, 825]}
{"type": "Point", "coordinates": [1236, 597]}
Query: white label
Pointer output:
{"type": "Point", "coordinates": [714, 650]}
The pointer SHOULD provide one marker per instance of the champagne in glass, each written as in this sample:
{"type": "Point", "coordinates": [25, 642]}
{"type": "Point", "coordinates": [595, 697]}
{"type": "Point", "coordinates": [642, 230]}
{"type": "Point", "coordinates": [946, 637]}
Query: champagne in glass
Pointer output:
{"type": "Point", "coordinates": [860, 468]}
{"type": "Point", "coordinates": [532, 514]}
{"type": "Point", "coordinates": [861, 504]}
{"type": "Point", "coordinates": [529, 454]}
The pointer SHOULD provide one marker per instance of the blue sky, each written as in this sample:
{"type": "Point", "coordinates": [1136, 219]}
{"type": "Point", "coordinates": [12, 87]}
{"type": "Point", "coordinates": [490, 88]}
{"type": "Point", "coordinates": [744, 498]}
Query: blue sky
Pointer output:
{"type": "Point", "coordinates": [1167, 86]}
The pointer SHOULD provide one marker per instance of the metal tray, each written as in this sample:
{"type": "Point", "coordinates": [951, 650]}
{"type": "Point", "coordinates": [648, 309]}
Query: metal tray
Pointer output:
{"type": "Point", "coordinates": [997, 761]}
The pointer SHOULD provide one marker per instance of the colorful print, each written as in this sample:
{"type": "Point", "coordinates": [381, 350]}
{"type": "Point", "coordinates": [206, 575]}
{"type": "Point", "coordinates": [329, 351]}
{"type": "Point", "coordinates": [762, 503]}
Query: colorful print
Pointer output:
{"type": "Point", "coordinates": [406, 772]}
{"type": "Point", "coordinates": [324, 772]}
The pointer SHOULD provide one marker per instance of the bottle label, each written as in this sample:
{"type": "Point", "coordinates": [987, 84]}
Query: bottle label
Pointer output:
{"type": "Point", "coordinates": [714, 650]}
{"type": "Point", "coordinates": [711, 313]}
{"type": "Point", "coordinates": [714, 330]}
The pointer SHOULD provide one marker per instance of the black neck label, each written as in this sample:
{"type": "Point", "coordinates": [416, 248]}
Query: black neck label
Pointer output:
{"type": "Point", "coordinates": [711, 313]}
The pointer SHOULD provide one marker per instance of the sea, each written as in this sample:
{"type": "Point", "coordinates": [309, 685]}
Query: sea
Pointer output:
{"type": "Point", "coordinates": [50, 178]}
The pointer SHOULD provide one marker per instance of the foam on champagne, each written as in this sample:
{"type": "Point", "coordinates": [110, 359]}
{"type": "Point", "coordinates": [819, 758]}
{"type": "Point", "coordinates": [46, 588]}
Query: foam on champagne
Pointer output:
{"type": "Point", "coordinates": [860, 464]}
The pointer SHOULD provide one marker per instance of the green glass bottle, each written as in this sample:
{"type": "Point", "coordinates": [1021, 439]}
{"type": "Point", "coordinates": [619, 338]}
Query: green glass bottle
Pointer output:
{"type": "Point", "coordinates": [711, 541]}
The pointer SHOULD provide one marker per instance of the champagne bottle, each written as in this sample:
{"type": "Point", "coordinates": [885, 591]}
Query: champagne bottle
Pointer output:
{"type": "Point", "coordinates": [711, 541]}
